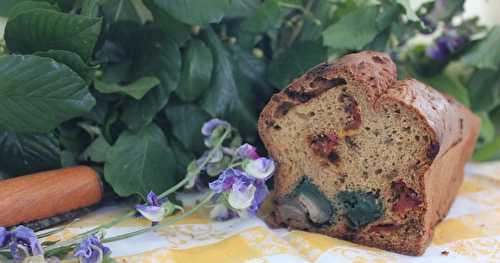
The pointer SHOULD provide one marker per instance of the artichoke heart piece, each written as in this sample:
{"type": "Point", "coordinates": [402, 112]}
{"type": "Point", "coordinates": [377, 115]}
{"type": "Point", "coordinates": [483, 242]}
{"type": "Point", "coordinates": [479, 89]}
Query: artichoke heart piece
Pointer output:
{"type": "Point", "coordinates": [360, 208]}
{"type": "Point", "coordinates": [308, 205]}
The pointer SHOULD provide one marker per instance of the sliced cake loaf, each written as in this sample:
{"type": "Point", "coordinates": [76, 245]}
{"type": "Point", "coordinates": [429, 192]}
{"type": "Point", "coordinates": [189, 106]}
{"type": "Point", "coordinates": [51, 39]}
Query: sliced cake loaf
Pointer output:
{"type": "Point", "coordinates": [366, 157]}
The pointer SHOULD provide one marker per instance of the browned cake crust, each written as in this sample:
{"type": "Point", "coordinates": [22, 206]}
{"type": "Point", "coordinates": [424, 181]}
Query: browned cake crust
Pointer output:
{"type": "Point", "coordinates": [366, 157]}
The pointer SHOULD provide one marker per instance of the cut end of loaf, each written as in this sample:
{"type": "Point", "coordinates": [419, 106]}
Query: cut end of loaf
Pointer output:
{"type": "Point", "coordinates": [354, 152]}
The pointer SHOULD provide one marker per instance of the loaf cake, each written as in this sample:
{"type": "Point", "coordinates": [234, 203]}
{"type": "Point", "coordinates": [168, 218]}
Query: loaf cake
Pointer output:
{"type": "Point", "coordinates": [365, 157]}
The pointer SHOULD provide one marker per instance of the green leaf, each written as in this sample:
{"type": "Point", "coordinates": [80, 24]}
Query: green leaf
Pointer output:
{"type": "Point", "coordinates": [41, 30]}
{"type": "Point", "coordinates": [226, 99]}
{"type": "Point", "coordinates": [487, 127]}
{"type": "Point", "coordinates": [37, 94]}
{"type": "Point", "coordinates": [136, 89]}
{"type": "Point", "coordinates": [266, 18]}
{"type": "Point", "coordinates": [176, 30]}
{"type": "Point", "coordinates": [161, 59]}
{"type": "Point", "coordinates": [354, 30]}
{"type": "Point", "coordinates": [294, 62]}
{"type": "Point", "coordinates": [387, 16]}
{"type": "Point", "coordinates": [410, 13]}
{"type": "Point", "coordinates": [91, 8]}
{"type": "Point", "coordinates": [323, 11]}
{"type": "Point", "coordinates": [195, 12]}
{"type": "Point", "coordinates": [120, 10]}
{"type": "Point", "coordinates": [140, 162]}
{"type": "Point", "coordinates": [186, 121]}
{"type": "Point", "coordinates": [22, 154]}
{"type": "Point", "coordinates": [196, 71]}
{"type": "Point", "coordinates": [484, 89]}
{"type": "Point", "coordinates": [183, 157]}
{"type": "Point", "coordinates": [96, 151]}
{"type": "Point", "coordinates": [242, 8]}
{"type": "Point", "coordinates": [488, 151]}
{"type": "Point", "coordinates": [70, 59]}
{"type": "Point", "coordinates": [485, 54]}
{"type": "Point", "coordinates": [25, 6]}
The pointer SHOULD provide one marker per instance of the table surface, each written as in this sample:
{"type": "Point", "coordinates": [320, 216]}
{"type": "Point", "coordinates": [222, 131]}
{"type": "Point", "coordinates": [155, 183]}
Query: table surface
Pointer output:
{"type": "Point", "coordinates": [470, 233]}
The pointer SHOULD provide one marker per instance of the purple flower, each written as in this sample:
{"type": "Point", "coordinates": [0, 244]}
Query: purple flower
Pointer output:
{"type": "Point", "coordinates": [225, 180]}
{"type": "Point", "coordinates": [261, 168]}
{"type": "Point", "coordinates": [24, 243]}
{"type": "Point", "coordinates": [153, 210]}
{"type": "Point", "coordinates": [247, 151]}
{"type": "Point", "coordinates": [91, 250]}
{"type": "Point", "coordinates": [445, 45]}
{"type": "Point", "coordinates": [209, 126]}
{"type": "Point", "coordinates": [239, 194]}
{"type": "Point", "coordinates": [4, 237]}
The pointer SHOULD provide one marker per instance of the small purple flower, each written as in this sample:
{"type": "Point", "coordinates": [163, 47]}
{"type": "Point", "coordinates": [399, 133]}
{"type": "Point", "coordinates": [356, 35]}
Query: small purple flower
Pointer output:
{"type": "Point", "coordinates": [209, 126]}
{"type": "Point", "coordinates": [4, 237]}
{"type": "Point", "coordinates": [153, 210]}
{"type": "Point", "coordinates": [24, 243]}
{"type": "Point", "coordinates": [247, 151]}
{"type": "Point", "coordinates": [225, 180]}
{"type": "Point", "coordinates": [238, 194]}
{"type": "Point", "coordinates": [261, 168]}
{"type": "Point", "coordinates": [91, 250]}
{"type": "Point", "coordinates": [444, 46]}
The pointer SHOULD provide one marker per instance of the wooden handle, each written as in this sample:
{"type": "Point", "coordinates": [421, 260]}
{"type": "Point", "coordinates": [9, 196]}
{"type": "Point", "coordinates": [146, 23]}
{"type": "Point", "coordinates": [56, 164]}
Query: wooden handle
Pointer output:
{"type": "Point", "coordinates": [43, 195]}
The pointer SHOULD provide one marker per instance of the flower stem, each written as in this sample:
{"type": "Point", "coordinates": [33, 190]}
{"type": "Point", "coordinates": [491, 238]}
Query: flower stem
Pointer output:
{"type": "Point", "coordinates": [195, 208]}
{"type": "Point", "coordinates": [188, 177]}
{"type": "Point", "coordinates": [116, 221]}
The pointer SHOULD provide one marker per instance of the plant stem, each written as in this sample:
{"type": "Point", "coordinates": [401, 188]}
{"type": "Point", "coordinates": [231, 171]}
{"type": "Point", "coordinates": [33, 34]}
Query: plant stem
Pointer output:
{"type": "Point", "coordinates": [173, 189]}
{"type": "Point", "coordinates": [198, 169]}
{"type": "Point", "coordinates": [195, 208]}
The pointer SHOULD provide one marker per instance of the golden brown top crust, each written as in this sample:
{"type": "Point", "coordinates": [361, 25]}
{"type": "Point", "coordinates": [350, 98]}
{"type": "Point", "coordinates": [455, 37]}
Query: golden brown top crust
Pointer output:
{"type": "Point", "coordinates": [443, 114]}
{"type": "Point", "coordinates": [376, 73]}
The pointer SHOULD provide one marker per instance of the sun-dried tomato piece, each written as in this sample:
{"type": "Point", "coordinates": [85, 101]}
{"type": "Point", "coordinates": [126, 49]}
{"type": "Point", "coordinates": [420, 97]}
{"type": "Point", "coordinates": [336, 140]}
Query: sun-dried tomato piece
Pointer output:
{"type": "Point", "coordinates": [406, 198]}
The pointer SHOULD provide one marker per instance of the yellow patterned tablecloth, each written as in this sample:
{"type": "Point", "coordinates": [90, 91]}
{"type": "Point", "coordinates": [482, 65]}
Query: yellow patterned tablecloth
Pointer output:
{"type": "Point", "coordinates": [470, 233]}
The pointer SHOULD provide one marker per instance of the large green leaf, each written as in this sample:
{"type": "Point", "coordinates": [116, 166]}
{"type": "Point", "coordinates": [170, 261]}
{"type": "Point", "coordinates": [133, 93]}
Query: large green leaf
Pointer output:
{"type": "Point", "coordinates": [119, 10]}
{"type": "Point", "coordinates": [70, 59]}
{"type": "Point", "coordinates": [484, 89]}
{"type": "Point", "coordinates": [136, 89]}
{"type": "Point", "coordinates": [37, 94]}
{"type": "Point", "coordinates": [196, 71]}
{"type": "Point", "coordinates": [176, 30]}
{"type": "Point", "coordinates": [242, 8]}
{"type": "Point", "coordinates": [488, 151]}
{"type": "Point", "coordinates": [486, 54]}
{"type": "Point", "coordinates": [227, 98]}
{"type": "Point", "coordinates": [487, 128]}
{"type": "Point", "coordinates": [22, 154]}
{"type": "Point", "coordinates": [294, 62]}
{"type": "Point", "coordinates": [41, 30]}
{"type": "Point", "coordinates": [25, 6]}
{"type": "Point", "coordinates": [354, 30]}
{"type": "Point", "coordinates": [140, 162]}
{"type": "Point", "coordinates": [186, 121]}
{"type": "Point", "coordinates": [96, 151]}
{"type": "Point", "coordinates": [266, 18]}
{"type": "Point", "coordinates": [160, 58]}
{"type": "Point", "coordinates": [195, 12]}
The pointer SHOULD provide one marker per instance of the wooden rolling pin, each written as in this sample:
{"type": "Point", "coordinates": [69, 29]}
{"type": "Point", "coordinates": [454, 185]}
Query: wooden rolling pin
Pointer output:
{"type": "Point", "coordinates": [46, 194]}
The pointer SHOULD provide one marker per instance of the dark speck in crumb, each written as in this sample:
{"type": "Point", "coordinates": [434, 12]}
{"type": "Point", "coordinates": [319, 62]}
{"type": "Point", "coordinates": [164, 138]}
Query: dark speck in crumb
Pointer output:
{"type": "Point", "coordinates": [445, 253]}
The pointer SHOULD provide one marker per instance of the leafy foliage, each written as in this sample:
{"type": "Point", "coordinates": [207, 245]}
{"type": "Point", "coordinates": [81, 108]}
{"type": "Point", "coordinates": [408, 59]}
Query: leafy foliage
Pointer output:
{"type": "Point", "coordinates": [138, 162]}
{"type": "Point", "coordinates": [126, 85]}
{"type": "Point", "coordinates": [37, 94]}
